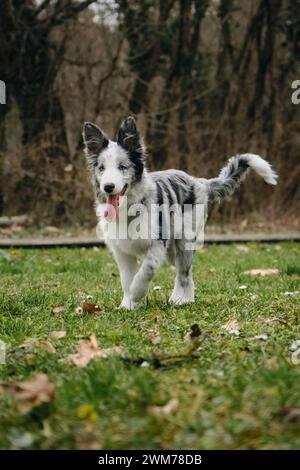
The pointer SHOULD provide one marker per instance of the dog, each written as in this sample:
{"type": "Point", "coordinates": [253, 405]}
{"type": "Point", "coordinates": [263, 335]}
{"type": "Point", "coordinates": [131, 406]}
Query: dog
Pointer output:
{"type": "Point", "coordinates": [121, 181]}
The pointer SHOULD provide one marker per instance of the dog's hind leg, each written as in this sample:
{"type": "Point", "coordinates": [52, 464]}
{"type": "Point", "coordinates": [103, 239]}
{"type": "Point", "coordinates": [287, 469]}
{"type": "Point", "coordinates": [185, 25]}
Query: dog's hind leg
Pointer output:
{"type": "Point", "coordinates": [154, 258]}
{"type": "Point", "coordinates": [128, 267]}
{"type": "Point", "coordinates": [184, 290]}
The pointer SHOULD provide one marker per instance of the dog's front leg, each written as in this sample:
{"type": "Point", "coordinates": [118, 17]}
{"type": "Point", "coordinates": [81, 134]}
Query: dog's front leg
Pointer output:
{"type": "Point", "coordinates": [152, 261]}
{"type": "Point", "coordinates": [128, 267]}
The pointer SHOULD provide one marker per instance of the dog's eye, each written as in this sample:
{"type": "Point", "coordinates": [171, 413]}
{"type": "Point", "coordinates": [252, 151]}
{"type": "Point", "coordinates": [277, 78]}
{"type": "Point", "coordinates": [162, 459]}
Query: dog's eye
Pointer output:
{"type": "Point", "coordinates": [101, 167]}
{"type": "Point", "coordinates": [122, 167]}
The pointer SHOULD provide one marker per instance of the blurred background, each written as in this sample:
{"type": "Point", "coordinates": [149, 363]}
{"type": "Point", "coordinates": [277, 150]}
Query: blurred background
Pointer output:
{"type": "Point", "coordinates": [206, 79]}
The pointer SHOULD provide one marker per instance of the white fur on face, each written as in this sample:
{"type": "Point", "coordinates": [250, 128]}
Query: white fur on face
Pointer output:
{"type": "Point", "coordinates": [114, 167]}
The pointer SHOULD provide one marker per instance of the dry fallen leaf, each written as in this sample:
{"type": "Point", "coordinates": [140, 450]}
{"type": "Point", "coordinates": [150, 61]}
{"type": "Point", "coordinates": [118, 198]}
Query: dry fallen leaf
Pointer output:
{"type": "Point", "coordinates": [58, 309]}
{"type": "Point", "coordinates": [88, 307]}
{"type": "Point", "coordinates": [168, 360]}
{"type": "Point", "coordinates": [57, 334]}
{"type": "Point", "coordinates": [30, 393]}
{"type": "Point", "coordinates": [26, 345]}
{"type": "Point", "coordinates": [261, 272]}
{"type": "Point", "coordinates": [168, 409]}
{"type": "Point", "coordinates": [232, 325]}
{"type": "Point", "coordinates": [154, 335]}
{"type": "Point", "coordinates": [88, 350]}
{"type": "Point", "coordinates": [38, 343]}
{"type": "Point", "coordinates": [44, 344]}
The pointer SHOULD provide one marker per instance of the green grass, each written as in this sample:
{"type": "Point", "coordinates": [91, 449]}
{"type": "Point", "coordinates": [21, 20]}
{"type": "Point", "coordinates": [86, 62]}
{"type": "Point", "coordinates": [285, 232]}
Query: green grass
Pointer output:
{"type": "Point", "coordinates": [233, 394]}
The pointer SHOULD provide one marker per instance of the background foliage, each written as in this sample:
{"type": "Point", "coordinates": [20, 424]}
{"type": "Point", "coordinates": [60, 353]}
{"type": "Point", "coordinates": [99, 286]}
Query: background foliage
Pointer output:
{"type": "Point", "coordinates": [205, 78]}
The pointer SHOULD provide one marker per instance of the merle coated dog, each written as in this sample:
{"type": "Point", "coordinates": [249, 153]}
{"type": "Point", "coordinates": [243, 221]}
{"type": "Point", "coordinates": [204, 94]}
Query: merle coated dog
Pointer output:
{"type": "Point", "coordinates": [125, 192]}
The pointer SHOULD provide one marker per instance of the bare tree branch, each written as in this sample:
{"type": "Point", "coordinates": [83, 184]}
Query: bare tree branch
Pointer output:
{"type": "Point", "coordinates": [65, 11]}
{"type": "Point", "coordinates": [107, 76]}
{"type": "Point", "coordinates": [42, 7]}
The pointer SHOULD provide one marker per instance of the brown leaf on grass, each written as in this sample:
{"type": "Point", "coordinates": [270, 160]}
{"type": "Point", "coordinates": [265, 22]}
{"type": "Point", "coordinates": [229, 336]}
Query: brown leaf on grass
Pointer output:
{"type": "Point", "coordinates": [261, 272]}
{"type": "Point", "coordinates": [154, 335]}
{"type": "Point", "coordinates": [38, 343]}
{"type": "Point", "coordinates": [30, 393]}
{"type": "Point", "coordinates": [232, 325]}
{"type": "Point", "coordinates": [57, 334]}
{"type": "Point", "coordinates": [168, 409]}
{"type": "Point", "coordinates": [169, 360]}
{"type": "Point", "coordinates": [88, 350]}
{"type": "Point", "coordinates": [44, 344]}
{"type": "Point", "coordinates": [88, 307]}
{"type": "Point", "coordinates": [57, 309]}
{"type": "Point", "coordinates": [26, 345]}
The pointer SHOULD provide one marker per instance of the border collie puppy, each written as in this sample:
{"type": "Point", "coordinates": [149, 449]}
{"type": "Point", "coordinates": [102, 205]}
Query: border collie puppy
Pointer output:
{"type": "Point", "coordinates": [157, 215]}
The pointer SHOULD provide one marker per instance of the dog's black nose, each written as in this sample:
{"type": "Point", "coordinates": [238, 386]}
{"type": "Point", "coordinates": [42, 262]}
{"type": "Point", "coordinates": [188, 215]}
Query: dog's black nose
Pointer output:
{"type": "Point", "coordinates": [109, 187]}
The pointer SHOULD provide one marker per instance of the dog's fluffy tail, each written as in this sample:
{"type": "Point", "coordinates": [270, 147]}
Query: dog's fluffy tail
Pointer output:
{"type": "Point", "coordinates": [235, 172]}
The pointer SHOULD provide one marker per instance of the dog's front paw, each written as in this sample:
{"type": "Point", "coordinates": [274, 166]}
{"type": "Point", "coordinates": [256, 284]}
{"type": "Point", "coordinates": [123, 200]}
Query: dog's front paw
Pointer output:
{"type": "Point", "coordinates": [128, 304]}
{"type": "Point", "coordinates": [181, 298]}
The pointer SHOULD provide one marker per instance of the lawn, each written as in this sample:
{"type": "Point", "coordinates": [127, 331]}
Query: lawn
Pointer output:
{"type": "Point", "coordinates": [239, 389]}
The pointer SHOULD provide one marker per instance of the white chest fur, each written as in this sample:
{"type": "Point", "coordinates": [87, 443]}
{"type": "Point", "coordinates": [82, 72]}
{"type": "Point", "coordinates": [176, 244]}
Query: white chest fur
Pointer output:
{"type": "Point", "coordinates": [116, 236]}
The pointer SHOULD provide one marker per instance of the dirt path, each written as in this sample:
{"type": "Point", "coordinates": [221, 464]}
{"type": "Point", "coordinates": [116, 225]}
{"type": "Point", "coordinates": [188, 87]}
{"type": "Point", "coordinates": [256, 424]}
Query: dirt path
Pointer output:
{"type": "Point", "coordinates": [92, 241]}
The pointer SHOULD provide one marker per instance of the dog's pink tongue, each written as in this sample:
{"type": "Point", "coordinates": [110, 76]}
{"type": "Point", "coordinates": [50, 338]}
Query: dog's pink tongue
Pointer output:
{"type": "Point", "coordinates": [112, 209]}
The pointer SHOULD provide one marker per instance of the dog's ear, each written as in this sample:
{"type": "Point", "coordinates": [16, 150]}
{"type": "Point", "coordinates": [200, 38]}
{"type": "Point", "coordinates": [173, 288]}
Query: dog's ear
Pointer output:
{"type": "Point", "coordinates": [95, 141]}
{"type": "Point", "coordinates": [128, 135]}
{"type": "Point", "coordinates": [129, 138]}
